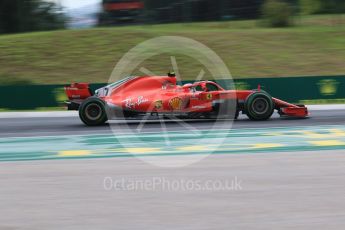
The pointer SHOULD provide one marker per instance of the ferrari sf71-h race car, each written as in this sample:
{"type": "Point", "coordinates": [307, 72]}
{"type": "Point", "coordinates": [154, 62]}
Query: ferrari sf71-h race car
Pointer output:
{"type": "Point", "coordinates": [161, 96]}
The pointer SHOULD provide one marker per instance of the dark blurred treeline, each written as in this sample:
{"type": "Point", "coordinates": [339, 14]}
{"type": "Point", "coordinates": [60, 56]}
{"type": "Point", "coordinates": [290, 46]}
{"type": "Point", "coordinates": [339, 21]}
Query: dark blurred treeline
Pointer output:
{"type": "Point", "coordinates": [201, 10]}
{"type": "Point", "coordinates": [29, 15]}
{"type": "Point", "coordinates": [205, 10]}
{"type": "Point", "coordinates": [165, 11]}
{"type": "Point", "coordinates": [322, 6]}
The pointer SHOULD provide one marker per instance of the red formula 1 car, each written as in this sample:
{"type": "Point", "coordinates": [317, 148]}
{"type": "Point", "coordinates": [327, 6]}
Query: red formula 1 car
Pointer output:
{"type": "Point", "coordinates": [160, 95]}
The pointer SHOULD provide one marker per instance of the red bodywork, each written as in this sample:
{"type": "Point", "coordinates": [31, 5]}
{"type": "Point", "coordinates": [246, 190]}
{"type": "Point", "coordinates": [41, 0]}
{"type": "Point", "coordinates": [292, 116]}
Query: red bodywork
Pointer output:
{"type": "Point", "coordinates": [157, 94]}
{"type": "Point", "coordinates": [123, 6]}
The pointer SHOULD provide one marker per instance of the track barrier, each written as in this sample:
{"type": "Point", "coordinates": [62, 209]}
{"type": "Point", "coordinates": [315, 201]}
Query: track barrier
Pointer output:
{"type": "Point", "coordinates": [318, 90]}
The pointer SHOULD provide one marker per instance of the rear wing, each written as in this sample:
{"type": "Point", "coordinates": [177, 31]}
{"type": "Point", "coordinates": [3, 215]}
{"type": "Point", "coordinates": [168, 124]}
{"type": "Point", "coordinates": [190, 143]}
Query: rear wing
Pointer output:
{"type": "Point", "coordinates": [77, 93]}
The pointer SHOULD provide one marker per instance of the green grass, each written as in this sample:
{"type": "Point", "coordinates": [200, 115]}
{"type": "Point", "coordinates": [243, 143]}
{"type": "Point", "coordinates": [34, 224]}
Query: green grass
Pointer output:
{"type": "Point", "coordinates": [314, 46]}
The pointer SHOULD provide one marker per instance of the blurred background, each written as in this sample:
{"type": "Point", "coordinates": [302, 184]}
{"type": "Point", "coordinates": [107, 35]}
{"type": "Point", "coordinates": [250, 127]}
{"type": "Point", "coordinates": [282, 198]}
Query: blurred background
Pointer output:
{"type": "Point", "coordinates": [56, 42]}
{"type": "Point", "coordinates": [33, 15]}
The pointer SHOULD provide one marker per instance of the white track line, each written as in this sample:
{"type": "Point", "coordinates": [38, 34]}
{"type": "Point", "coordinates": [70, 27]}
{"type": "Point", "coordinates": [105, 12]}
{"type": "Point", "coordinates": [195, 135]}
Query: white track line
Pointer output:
{"type": "Point", "coordinates": [326, 107]}
{"type": "Point", "coordinates": [38, 114]}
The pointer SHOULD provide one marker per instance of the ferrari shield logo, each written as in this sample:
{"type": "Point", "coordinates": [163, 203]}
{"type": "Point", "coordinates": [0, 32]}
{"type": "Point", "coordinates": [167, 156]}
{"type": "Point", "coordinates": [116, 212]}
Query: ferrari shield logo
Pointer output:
{"type": "Point", "coordinates": [209, 96]}
{"type": "Point", "coordinates": [158, 104]}
{"type": "Point", "coordinates": [176, 103]}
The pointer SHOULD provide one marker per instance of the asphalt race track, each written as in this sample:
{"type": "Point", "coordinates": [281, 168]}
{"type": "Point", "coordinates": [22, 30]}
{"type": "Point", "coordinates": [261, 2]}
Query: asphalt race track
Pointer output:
{"type": "Point", "coordinates": [55, 173]}
{"type": "Point", "coordinates": [45, 126]}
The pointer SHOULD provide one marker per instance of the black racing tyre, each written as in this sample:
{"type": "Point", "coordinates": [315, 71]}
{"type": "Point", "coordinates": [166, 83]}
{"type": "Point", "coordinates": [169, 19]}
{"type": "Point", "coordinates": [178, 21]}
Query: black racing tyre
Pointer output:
{"type": "Point", "coordinates": [259, 106]}
{"type": "Point", "coordinates": [92, 112]}
{"type": "Point", "coordinates": [237, 114]}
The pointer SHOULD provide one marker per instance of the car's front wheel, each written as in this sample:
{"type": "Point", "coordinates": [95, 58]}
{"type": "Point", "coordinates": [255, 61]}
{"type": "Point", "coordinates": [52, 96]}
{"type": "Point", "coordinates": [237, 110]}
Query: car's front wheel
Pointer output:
{"type": "Point", "coordinates": [92, 112]}
{"type": "Point", "coordinates": [259, 106]}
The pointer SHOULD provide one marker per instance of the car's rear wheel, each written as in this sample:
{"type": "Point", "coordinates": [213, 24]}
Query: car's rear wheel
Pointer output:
{"type": "Point", "coordinates": [92, 112]}
{"type": "Point", "coordinates": [259, 106]}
